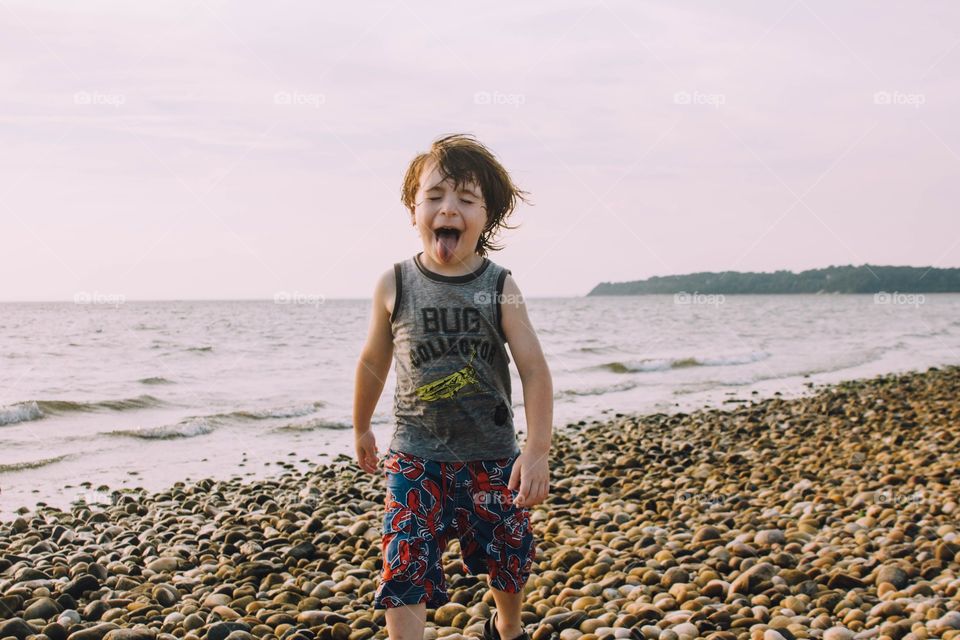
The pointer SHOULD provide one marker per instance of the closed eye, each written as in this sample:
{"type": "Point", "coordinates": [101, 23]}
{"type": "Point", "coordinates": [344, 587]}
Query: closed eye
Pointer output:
{"type": "Point", "coordinates": [464, 200]}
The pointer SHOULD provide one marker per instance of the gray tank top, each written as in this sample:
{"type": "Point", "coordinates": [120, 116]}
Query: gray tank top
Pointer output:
{"type": "Point", "coordinates": [452, 401]}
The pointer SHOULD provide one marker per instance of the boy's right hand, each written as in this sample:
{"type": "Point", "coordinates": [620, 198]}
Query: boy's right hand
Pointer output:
{"type": "Point", "coordinates": [366, 445]}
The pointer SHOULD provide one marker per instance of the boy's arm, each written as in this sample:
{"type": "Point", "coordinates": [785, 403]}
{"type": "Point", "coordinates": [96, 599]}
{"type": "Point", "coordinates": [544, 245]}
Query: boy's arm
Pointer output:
{"type": "Point", "coordinates": [532, 366]}
{"type": "Point", "coordinates": [372, 370]}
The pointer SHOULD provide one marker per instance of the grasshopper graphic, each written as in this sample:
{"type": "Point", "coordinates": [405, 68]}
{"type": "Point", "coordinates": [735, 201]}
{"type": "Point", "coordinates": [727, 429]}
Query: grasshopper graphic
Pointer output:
{"type": "Point", "coordinates": [449, 385]}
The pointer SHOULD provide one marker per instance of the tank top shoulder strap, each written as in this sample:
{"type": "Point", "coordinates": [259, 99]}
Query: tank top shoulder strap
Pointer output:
{"type": "Point", "coordinates": [501, 278]}
{"type": "Point", "coordinates": [398, 293]}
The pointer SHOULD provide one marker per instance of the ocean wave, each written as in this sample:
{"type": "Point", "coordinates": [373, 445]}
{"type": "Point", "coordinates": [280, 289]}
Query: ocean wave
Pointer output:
{"type": "Point", "coordinates": [699, 387]}
{"type": "Point", "coordinates": [723, 361]}
{"type": "Point", "coordinates": [188, 428]}
{"type": "Point", "coordinates": [929, 334]}
{"type": "Point", "coordinates": [600, 349]}
{"type": "Point", "coordinates": [155, 380]}
{"type": "Point", "coordinates": [199, 349]}
{"type": "Point", "coordinates": [271, 414]}
{"type": "Point", "coordinates": [125, 404]}
{"type": "Point", "coordinates": [766, 375]}
{"type": "Point", "coordinates": [20, 412]}
{"type": "Point", "coordinates": [201, 425]}
{"type": "Point", "coordinates": [31, 464]}
{"type": "Point", "coordinates": [664, 364]}
{"type": "Point", "coordinates": [850, 360]}
{"type": "Point", "coordinates": [314, 425]}
{"type": "Point", "coordinates": [597, 391]}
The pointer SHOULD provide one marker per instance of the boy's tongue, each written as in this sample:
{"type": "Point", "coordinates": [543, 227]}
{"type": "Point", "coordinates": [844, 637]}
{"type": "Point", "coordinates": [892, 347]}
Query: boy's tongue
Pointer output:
{"type": "Point", "coordinates": [446, 242]}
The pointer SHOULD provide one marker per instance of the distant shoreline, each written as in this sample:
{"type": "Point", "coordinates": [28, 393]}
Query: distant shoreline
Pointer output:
{"type": "Point", "coordinates": [865, 279]}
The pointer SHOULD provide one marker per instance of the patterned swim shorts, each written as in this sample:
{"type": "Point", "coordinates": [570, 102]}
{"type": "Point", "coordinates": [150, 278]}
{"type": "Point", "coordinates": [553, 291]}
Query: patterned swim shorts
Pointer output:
{"type": "Point", "coordinates": [428, 504]}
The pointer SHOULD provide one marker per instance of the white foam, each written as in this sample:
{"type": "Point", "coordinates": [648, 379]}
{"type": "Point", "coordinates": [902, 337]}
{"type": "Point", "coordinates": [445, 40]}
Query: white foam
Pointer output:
{"type": "Point", "coordinates": [185, 429]}
{"type": "Point", "coordinates": [664, 364]}
{"type": "Point", "coordinates": [20, 412]}
{"type": "Point", "coordinates": [723, 361]}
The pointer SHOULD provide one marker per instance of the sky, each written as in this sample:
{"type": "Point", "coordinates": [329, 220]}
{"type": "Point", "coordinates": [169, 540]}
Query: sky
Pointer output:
{"type": "Point", "coordinates": [228, 150]}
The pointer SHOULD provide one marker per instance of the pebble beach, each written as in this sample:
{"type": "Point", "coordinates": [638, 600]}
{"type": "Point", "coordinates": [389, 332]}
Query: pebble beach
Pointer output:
{"type": "Point", "coordinates": [833, 515]}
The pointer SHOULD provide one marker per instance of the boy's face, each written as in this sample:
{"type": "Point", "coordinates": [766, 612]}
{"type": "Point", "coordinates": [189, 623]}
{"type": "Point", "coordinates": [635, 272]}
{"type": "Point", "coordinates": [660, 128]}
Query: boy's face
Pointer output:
{"type": "Point", "coordinates": [449, 220]}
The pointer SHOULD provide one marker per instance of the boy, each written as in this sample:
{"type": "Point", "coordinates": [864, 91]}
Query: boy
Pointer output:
{"type": "Point", "coordinates": [453, 467]}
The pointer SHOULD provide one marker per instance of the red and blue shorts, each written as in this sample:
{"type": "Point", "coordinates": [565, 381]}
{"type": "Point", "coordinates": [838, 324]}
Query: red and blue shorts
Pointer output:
{"type": "Point", "coordinates": [428, 504]}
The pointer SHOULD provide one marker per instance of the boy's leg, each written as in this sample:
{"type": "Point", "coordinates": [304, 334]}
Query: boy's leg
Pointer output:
{"type": "Point", "coordinates": [414, 533]}
{"type": "Point", "coordinates": [406, 622]}
{"type": "Point", "coordinates": [496, 538]}
{"type": "Point", "coordinates": [508, 613]}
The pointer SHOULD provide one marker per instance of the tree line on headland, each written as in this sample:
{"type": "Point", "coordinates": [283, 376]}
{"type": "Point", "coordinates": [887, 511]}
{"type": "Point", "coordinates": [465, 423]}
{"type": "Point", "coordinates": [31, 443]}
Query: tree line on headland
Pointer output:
{"type": "Point", "coordinates": [833, 279]}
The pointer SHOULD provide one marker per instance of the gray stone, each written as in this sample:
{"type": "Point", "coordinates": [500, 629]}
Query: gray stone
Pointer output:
{"type": "Point", "coordinates": [164, 565]}
{"type": "Point", "coordinates": [80, 585]}
{"type": "Point", "coordinates": [674, 575]}
{"type": "Point", "coordinates": [166, 595]}
{"type": "Point", "coordinates": [892, 574]}
{"type": "Point", "coordinates": [68, 617]}
{"type": "Point", "coordinates": [767, 537]}
{"type": "Point", "coordinates": [136, 633]}
{"type": "Point", "coordinates": [303, 551]}
{"type": "Point", "coordinates": [43, 608]}
{"type": "Point", "coordinates": [749, 579]}
{"type": "Point", "coordinates": [16, 627]}
{"type": "Point", "coordinates": [96, 632]}
{"type": "Point", "coordinates": [838, 633]}
{"type": "Point", "coordinates": [221, 630]}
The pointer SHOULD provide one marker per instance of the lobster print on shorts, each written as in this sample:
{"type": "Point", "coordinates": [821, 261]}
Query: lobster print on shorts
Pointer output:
{"type": "Point", "coordinates": [430, 503]}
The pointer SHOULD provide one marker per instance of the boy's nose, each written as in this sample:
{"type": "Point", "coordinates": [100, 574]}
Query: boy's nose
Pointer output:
{"type": "Point", "coordinates": [449, 207]}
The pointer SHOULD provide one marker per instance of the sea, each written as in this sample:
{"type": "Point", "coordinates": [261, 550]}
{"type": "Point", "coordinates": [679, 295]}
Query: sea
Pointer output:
{"type": "Point", "coordinates": [98, 395]}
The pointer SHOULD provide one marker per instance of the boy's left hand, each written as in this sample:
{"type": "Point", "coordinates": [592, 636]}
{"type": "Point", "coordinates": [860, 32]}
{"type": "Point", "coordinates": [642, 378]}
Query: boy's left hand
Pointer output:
{"type": "Point", "coordinates": [531, 473]}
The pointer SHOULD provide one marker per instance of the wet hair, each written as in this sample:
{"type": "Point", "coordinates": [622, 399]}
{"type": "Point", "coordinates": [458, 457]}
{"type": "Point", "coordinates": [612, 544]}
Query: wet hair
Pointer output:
{"type": "Point", "coordinates": [462, 158]}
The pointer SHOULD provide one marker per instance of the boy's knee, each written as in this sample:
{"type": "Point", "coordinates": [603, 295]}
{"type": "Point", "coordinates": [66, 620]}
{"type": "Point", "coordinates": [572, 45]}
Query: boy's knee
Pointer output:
{"type": "Point", "coordinates": [406, 622]}
{"type": "Point", "coordinates": [418, 611]}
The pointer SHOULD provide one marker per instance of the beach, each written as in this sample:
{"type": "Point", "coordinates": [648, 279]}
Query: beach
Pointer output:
{"type": "Point", "coordinates": [833, 515]}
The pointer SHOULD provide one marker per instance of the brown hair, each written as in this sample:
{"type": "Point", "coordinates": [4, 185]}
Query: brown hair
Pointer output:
{"type": "Point", "coordinates": [462, 158]}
